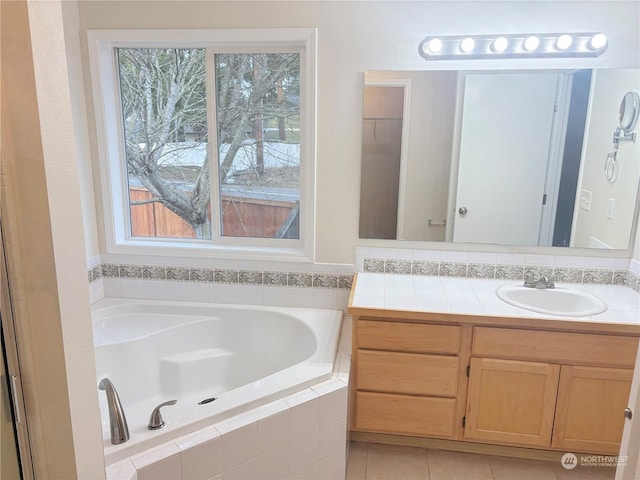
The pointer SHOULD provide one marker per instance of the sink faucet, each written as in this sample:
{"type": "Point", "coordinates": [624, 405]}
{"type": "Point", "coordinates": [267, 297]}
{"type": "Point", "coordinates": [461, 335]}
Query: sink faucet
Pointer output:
{"type": "Point", "coordinates": [542, 283]}
{"type": "Point", "coordinates": [117, 418]}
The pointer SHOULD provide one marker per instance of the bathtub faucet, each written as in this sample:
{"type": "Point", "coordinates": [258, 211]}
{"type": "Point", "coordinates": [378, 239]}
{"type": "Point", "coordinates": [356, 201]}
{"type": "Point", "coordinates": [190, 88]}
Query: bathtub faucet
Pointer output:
{"type": "Point", "coordinates": [155, 420]}
{"type": "Point", "coordinates": [117, 418]}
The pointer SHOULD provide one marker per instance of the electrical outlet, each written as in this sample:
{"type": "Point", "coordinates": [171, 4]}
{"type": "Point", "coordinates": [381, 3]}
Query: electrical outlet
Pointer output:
{"type": "Point", "coordinates": [610, 206]}
{"type": "Point", "coordinates": [585, 200]}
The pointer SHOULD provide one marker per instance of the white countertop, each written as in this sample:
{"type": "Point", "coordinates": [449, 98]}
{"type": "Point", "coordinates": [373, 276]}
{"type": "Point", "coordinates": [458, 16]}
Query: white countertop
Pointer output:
{"type": "Point", "coordinates": [472, 296]}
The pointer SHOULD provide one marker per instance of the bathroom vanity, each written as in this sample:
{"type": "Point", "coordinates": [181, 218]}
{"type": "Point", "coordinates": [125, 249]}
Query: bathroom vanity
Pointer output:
{"type": "Point", "coordinates": [488, 373]}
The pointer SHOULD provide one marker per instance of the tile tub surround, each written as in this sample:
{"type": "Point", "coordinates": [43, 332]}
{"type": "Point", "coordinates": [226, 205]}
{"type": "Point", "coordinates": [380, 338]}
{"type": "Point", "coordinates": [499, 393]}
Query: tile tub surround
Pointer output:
{"type": "Point", "coordinates": [302, 436]}
{"type": "Point", "coordinates": [225, 281]}
{"type": "Point", "coordinates": [476, 296]}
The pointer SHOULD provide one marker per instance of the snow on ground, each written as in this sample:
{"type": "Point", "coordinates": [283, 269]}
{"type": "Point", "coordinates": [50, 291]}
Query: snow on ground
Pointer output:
{"type": "Point", "coordinates": [276, 154]}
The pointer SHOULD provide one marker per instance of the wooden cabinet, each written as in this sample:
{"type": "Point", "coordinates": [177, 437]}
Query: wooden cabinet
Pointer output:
{"type": "Point", "coordinates": [406, 378]}
{"type": "Point", "coordinates": [548, 389]}
{"type": "Point", "coordinates": [511, 401]}
{"type": "Point", "coordinates": [541, 384]}
{"type": "Point", "coordinates": [589, 411]}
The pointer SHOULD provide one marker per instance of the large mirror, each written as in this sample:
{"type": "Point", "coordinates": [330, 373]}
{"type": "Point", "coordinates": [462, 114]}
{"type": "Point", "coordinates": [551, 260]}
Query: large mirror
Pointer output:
{"type": "Point", "coordinates": [498, 157]}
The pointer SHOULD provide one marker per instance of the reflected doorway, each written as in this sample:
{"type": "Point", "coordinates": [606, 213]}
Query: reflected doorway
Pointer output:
{"type": "Point", "coordinates": [383, 159]}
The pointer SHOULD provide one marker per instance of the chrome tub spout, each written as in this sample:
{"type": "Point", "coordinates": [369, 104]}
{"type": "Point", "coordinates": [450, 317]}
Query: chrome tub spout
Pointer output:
{"type": "Point", "coordinates": [117, 418]}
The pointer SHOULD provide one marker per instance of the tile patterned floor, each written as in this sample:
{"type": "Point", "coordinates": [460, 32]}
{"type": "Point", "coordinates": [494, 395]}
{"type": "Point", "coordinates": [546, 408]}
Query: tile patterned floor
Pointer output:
{"type": "Point", "coordinates": [386, 462]}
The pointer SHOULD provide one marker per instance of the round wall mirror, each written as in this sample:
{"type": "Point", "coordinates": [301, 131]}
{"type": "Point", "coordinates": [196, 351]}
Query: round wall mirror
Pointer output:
{"type": "Point", "coordinates": [629, 110]}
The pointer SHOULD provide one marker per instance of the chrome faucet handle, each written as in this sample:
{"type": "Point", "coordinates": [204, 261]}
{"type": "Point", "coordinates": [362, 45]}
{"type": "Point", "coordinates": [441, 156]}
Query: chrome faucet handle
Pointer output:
{"type": "Point", "coordinates": [155, 420]}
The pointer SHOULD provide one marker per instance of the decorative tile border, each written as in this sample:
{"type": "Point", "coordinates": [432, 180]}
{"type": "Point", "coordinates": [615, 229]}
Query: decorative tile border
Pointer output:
{"type": "Point", "coordinates": [503, 271]}
{"type": "Point", "coordinates": [332, 281]}
{"type": "Point", "coordinates": [329, 281]}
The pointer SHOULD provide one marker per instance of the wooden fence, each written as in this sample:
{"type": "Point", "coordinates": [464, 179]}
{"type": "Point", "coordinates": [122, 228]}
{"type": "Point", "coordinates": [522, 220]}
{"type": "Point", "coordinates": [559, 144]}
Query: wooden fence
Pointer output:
{"type": "Point", "coordinates": [241, 217]}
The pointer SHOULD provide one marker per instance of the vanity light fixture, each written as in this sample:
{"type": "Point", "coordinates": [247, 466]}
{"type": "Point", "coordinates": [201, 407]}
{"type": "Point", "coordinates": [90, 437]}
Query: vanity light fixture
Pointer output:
{"type": "Point", "coordinates": [434, 45]}
{"type": "Point", "coordinates": [598, 41]}
{"type": "Point", "coordinates": [466, 45]}
{"type": "Point", "coordinates": [529, 45]}
{"type": "Point", "coordinates": [564, 42]}
{"type": "Point", "coordinates": [500, 44]}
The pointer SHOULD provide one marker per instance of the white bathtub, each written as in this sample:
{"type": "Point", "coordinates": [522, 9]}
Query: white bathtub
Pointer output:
{"type": "Point", "coordinates": [244, 357]}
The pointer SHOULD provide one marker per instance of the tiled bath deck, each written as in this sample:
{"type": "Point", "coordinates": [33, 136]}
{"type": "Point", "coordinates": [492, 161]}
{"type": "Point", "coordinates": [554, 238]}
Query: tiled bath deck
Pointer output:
{"type": "Point", "coordinates": [302, 436]}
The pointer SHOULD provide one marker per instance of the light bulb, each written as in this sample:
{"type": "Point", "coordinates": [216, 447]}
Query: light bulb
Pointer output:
{"type": "Point", "coordinates": [467, 45]}
{"type": "Point", "coordinates": [598, 41]}
{"type": "Point", "coordinates": [500, 44]}
{"type": "Point", "coordinates": [434, 45]}
{"type": "Point", "coordinates": [564, 42]}
{"type": "Point", "coordinates": [531, 43]}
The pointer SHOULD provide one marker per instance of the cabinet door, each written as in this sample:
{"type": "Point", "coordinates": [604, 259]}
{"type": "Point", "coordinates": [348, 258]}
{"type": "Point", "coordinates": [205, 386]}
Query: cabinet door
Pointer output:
{"type": "Point", "coordinates": [511, 401]}
{"type": "Point", "coordinates": [590, 413]}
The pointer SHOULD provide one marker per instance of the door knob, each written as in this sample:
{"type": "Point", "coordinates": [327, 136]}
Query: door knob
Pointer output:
{"type": "Point", "coordinates": [462, 210]}
{"type": "Point", "coordinates": [628, 413]}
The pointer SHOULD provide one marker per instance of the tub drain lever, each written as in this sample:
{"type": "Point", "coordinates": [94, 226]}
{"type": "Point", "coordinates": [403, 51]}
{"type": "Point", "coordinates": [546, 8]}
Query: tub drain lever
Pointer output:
{"type": "Point", "coordinates": [155, 420]}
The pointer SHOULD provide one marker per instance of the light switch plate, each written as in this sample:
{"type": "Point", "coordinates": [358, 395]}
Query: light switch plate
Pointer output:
{"type": "Point", "coordinates": [610, 207]}
{"type": "Point", "coordinates": [585, 200]}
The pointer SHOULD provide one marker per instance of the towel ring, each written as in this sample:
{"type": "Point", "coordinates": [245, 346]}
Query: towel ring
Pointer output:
{"type": "Point", "coordinates": [611, 166]}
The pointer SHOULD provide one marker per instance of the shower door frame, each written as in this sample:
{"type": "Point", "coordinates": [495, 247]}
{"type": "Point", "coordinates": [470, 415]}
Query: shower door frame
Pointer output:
{"type": "Point", "coordinates": [14, 377]}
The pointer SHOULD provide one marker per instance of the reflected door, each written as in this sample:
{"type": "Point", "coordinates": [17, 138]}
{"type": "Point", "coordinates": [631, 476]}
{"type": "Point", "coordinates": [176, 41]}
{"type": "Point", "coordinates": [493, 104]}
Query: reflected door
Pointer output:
{"type": "Point", "coordinates": [503, 157]}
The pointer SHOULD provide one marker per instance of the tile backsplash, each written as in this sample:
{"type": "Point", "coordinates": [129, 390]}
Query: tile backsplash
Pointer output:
{"type": "Point", "coordinates": [564, 269]}
{"type": "Point", "coordinates": [328, 285]}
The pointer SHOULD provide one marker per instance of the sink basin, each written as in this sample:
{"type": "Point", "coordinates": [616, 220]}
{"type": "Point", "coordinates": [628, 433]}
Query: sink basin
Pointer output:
{"type": "Point", "coordinates": [562, 301]}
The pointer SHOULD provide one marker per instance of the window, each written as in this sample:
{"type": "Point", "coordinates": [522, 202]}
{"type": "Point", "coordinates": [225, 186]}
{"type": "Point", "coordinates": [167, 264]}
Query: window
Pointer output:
{"type": "Point", "coordinates": [206, 140]}
{"type": "Point", "coordinates": [258, 117]}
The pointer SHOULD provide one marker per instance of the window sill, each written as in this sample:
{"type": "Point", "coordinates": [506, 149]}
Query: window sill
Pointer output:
{"type": "Point", "coordinates": [205, 249]}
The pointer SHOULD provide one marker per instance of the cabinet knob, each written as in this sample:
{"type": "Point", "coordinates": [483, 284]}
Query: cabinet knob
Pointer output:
{"type": "Point", "coordinates": [462, 210]}
{"type": "Point", "coordinates": [628, 413]}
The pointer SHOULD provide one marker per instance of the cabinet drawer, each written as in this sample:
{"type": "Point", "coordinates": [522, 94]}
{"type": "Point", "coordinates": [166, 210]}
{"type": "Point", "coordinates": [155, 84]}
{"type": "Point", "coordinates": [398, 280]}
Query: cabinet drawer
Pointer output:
{"type": "Point", "coordinates": [408, 337]}
{"type": "Point", "coordinates": [410, 373]}
{"type": "Point", "coordinates": [557, 347]}
{"type": "Point", "coordinates": [386, 413]}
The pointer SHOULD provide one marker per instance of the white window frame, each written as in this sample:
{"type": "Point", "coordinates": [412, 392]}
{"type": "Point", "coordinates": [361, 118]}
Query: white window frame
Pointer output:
{"type": "Point", "coordinates": [111, 150]}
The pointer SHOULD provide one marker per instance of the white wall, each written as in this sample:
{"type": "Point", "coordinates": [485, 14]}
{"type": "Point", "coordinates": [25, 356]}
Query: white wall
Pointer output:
{"type": "Point", "coordinates": [79, 109]}
{"type": "Point", "coordinates": [607, 90]}
{"type": "Point", "coordinates": [354, 37]}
